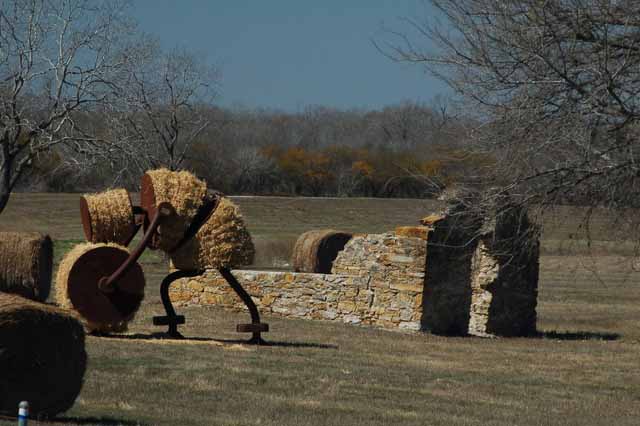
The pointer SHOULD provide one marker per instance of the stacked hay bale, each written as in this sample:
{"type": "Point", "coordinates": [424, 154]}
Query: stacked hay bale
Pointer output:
{"type": "Point", "coordinates": [315, 251]}
{"type": "Point", "coordinates": [107, 217]}
{"type": "Point", "coordinates": [77, 287]}
{"type": "Point", "coordinates": [26, 261]}
{"type": "Point", "coordinates": [222, 241]}
{"type": "Point", "coordinates": [42, 357]}
{"type": "Point", "coordinates": [504, 274]}
{"type": "Point", "coordinates": [186, 194]}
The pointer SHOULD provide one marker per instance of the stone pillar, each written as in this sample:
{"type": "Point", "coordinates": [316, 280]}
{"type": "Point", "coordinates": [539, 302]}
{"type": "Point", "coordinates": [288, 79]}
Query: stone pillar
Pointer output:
{"type": "Point", "coordinates": [504, 276]}
{"type": "Point", "coordinates": [447, 289]}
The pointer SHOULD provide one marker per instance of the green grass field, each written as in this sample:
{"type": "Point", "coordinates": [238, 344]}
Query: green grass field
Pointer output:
{"type": "Point", "coordinates": [583, 370]}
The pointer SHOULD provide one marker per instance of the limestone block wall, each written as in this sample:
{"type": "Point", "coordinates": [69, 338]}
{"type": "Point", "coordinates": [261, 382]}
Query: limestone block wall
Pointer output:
{"type": "Point", "coordinates": [448, 289]}
{"type": "Point", "coordinates": [471, 278]}
{"type": "Point", "coordinates": [377, 280]}
{"type": "Point", "coordinates": [504, 278]}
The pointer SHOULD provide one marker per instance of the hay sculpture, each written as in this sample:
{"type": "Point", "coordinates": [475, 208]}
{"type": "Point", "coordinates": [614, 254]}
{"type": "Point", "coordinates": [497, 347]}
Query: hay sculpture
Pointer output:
{"type": "Point", "coordinates": [183, 191]}
{"type": "Point", "coordinates": [107, 217]}
{"type": "Point", "coordinates": [315, 251]}
{"type": "Point", "coordinates": [223, 241]}
{"type": "Point", "coordinates": [42, 357]}
{"type": "Point", "coordinates": [26, 261]}
{"type": "Point", "coordinates": [83, 266]}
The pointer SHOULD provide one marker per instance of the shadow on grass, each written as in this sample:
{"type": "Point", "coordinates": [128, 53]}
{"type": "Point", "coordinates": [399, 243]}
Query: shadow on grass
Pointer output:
{"type": "Point", "coordinates": [284, 344]}
{"type": "Point", "coordinates": [96, 421]}
{"type": "Point", "coordinates": [577, 335]}
{"type": "Point", "coordinates": [165, 338]}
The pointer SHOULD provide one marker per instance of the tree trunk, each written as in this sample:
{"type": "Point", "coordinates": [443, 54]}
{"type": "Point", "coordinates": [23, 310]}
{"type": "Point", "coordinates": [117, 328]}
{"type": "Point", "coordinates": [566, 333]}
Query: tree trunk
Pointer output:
{"type": "Point", "coordinates": [5, 192]}
{"type": "Point", "coordinates": [5, 178]}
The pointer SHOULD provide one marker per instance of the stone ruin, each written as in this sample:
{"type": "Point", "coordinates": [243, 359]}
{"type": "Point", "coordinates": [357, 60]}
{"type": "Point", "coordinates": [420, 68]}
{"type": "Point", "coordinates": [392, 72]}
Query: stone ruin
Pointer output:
{"type": "Point", "coordinates": [452, 278]}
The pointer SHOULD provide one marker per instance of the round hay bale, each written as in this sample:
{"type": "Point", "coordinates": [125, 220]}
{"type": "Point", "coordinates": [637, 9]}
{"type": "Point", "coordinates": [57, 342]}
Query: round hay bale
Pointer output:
{"type": "Point", "coordinates": [315, 251]}
{"type": "Point", "coordinates": [42, 357]}
{"type": "Point", "coordinates": [223, 241]}
{"type": "Point", "coordinates": [26, 261]}
{"type": "Point", "coordinates": [77, 287]}
{"type": "Point", "coordinates": [107, 217]}
{"type": "Point", "coordinates": [183, 191]}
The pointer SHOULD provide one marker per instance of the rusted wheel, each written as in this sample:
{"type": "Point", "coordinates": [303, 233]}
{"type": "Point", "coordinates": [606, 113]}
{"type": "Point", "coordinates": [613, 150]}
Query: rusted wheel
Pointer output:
{"type": "Point", "coordinates": [79, 286]}
{"type": "Point", "coordinates": [183, 191]}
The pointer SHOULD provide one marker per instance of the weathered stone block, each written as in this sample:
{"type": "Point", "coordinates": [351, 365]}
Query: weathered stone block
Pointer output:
{"type": "Point", "coordinates": [504, 280]}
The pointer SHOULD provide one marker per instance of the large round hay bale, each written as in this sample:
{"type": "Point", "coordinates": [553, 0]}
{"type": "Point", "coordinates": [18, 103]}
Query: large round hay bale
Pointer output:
{"type": "Point", "coordinates": [315, 251]}
{"type": "Point", "coordinates": [223, 241]}
{"type": "Point", "coordinates": [107, 217]}
{"type": "Point", "coordinates": [26, 260]}
{"type": "Point", "coordinates": [183, 191]}
{"type": "Point", "coordinates": [42, 357]}
{"type": "Point", "coordinates": [77, 287]}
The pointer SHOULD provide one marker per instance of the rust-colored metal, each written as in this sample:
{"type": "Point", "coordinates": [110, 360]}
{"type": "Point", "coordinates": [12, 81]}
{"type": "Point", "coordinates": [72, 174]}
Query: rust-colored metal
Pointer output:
{"type": "Point", "coordinates": [85, 216]}
{"type": "Point", "coordinates": [171, 319]}
{"type": "Point", "coordinates": [107, 283]}
{"type": "Point", "coordinates": [256, 327]}
{"type": "Point", "coordinates": [90, 301]}
{"type": "Point", "coordinates": [148, 204]}
{"type": "Point", "coordinates": [148, 195]}
{"type": "Point", "coordinates": [139, 217]}
{"type": "Point", "coordinates": [209, 206]}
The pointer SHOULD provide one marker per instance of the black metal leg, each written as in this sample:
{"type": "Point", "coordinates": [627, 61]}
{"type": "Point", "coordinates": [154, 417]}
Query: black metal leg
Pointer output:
{"type": "Point", "coordinates": [171, 319]}
{"type": "Point", "coordinates": [256, 327]}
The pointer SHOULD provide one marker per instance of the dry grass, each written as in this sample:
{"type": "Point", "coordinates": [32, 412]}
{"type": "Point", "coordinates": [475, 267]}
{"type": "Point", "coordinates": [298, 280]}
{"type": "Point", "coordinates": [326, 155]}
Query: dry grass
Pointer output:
{"type": "Point", "coordinates": [26, 261]}
{"type": "Point", "coordinates": [43, 356]}
{"type": "Point", "coordinates": [316, 250]}
{"type": "Point", "coordinates": [111, 216]}
{"type": "Point", "coordinates": [185, 192]}
{"type": "Point", "coordinates": [62, 285]}
{"type": "Point", "coordinates": [582, 370]}
{"type": "Point", "coordinates": [223, 241]}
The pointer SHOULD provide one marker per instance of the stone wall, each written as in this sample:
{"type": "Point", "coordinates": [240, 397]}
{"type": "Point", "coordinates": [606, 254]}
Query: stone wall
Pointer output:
{"type": "Point", "coordinates": [377, 280]}
{"type": "Point", "coordinates": [448, 290]}
{"type": "Point", "coordinates": [504, 277]}
{"type": "Point", "coordinates": [474, 278]}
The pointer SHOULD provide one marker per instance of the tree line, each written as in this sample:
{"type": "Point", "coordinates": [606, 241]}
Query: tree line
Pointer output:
{"type": "Point", "coordinates": [405, 150]}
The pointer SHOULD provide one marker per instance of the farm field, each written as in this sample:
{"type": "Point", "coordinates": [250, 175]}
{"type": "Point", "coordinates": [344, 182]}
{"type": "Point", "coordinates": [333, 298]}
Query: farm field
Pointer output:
{"type": "Point", "coordinates": [583, 369]}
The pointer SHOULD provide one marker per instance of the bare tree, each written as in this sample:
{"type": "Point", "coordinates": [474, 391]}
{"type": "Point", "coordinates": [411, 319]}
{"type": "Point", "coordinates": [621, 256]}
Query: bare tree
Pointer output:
{"type": "Point", "coordinates": [57, 59]}
{"type": "Point", "coordinates": [554, 85]}
{"type": "Point", "coordinates": [166, 105]}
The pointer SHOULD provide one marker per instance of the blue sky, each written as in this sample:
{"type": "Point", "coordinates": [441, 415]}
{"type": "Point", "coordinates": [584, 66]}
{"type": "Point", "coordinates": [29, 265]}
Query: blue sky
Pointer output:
{"type": "Point", "coordinates": [287, 54]}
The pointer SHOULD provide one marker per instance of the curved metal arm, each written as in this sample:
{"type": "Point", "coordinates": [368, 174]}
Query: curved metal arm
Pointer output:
{"type": "Point", "coordinates": [107, 284]}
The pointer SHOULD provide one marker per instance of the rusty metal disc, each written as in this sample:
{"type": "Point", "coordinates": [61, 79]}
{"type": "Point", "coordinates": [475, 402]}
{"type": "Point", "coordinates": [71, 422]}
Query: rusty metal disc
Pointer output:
{"type": "Point", "coordinates": [95, 305]}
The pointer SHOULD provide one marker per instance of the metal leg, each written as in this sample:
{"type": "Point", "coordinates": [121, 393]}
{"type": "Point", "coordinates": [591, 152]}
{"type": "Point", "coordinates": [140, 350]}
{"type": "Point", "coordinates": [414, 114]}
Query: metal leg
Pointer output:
{"type": "Point", "coordinates": [171, 319]}
{"type": "Point", "coordinates": [256, 327]}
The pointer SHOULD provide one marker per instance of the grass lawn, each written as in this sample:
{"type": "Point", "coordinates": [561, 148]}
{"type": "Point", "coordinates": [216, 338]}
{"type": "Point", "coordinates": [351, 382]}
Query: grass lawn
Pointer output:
{"type": "Point", "coordinates": [584, 369]}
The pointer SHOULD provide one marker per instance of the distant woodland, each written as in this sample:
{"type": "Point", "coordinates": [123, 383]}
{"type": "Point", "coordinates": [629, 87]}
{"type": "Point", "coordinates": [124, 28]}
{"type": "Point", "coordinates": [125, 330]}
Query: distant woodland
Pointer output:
{"type": "Point", "coordinates": [407, 150]}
